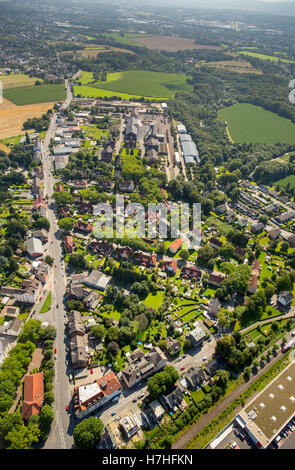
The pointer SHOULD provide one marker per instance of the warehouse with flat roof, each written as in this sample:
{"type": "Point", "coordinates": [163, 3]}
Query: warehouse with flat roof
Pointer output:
{"type": "Point", "coordinates": [271, 410]}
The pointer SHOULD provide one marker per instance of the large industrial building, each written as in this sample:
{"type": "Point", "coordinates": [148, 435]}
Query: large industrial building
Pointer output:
{"type": "Point", "coordinates": [271, 410]}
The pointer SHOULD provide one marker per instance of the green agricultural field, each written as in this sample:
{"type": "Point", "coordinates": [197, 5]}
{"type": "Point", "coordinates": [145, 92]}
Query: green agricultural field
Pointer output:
{"type": "Point", "coordinates": [91, 92]}
{"type": "Point", "coordinates": [35, 94]}
{"type": "Point", "coordinates": [133, 84]}
{"type": "Point", "coordinates": [257, 55]}
{"type": "Point", "coordinates": [17, 80]}
{"type": "Point", "coordinates": [284, 181]}
{"type": "Point", "coordinates": [141, 82]}
{"type": "Point", "coordinates": [248, 123]}
{"type": "Point", "coordinates": [129, 39]}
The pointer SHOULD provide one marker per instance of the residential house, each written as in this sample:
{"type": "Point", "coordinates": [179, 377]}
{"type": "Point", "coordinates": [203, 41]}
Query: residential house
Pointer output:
{"type": "Point", "coordinates": [127, 186]}
{"type": "Point", "coordinates": [212, 367]}
{"type": "Point", "coordinates": [78, 352]}
{"type": "Point", "coordinates": [123, 253]}
{"type": "Point", "coordinates": [75, 292]}
{"type": "Point", "coordinates": [68, 244]}
{"type": "Point", "coordinates": [174, 399]}
{"type": "Point", "coordinates": [41, 235]}
{"type": "Point", "coordinates": [214, 307]}
{"type": "Point", "coordinates": [196, 336]}
{"type": "Point", "coordinates": [257, 227]}
{"type": "Point", "coordinates": [79, 278]}
{"type": "Point", "coordinates": [173, 346]}
{"type": "Point", "coordinates": [92, 300]}
{"type": "Point", "coordinates": [215, 243]}
{"type": "Point", "coordinates": [90, 397]}
{"type": "Point", "coordinates": [42, 272]}
{"type": "Point", "coordinates": [274, 233]}
{"type": "Point", "coordinates": [142, 366]}
{"type": "Point", "coordinates": [129, 425]}
{"type": "Point", "coordinates": [285, 298]}
{"type": "Point", "coordinates": [11, 329]}
{"type": "Point", "coordinates": [170, 267]}
{"type": "Point", "coordinates": [145, 259]}
{"type": "Point", "coordinates": [107, 440]}
{"type": "Point", "coordinates": [80, 184]}
{"type": "Point", "coordinates": [84, 227]}
{"type": "Point", "coordinates": [107, 153]}
{"type": "Point", "coordinates": [240, 253]}
{"type": "Point", "coordinates": [191, 272]}
{"type": "Point", "coordinates": [216, 279]}
{"type": "Point", "coordinates": [195, 377]}
{"type": "Point", "coordinates": [153, 413]}
{"type": "Point", "coordinates": [175, 245]}
{"type": "Point", "coordinates": [75, 325]}
{"type": "Point", "coordinates": [254, 277]}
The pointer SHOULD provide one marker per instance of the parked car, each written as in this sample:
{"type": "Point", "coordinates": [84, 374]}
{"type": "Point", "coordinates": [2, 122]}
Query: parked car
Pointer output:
{"type": "Point", "coordinates": [134, 400]}
{"type": "Point", "coordinates": [182, 368]}
{"type": "Point", "coordinates": [114, 413]}
{"type": "Point", "coordinates": [55, 350]}
{"type": "Point", "coordinates": [91, 371]}
{"type": "Point", "coordinates": [67, 407]}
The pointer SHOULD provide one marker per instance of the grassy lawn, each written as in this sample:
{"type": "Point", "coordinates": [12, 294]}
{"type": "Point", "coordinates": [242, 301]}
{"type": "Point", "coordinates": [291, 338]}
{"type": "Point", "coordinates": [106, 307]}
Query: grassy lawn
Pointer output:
{"type": "Point", "coordinates": [248, 123]}
{"type": "Point", "coordinates": [47, 304]}
{"type": "Point", "coordinates": [154, 300]}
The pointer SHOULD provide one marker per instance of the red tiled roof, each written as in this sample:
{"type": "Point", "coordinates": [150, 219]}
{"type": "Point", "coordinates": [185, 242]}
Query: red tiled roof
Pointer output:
{"type": "Point", "coordinates": [33, 395]}
{"type": "Point", "coordinates": [109, 383]}
{"type": "Point", "coordinates": [176, 244]}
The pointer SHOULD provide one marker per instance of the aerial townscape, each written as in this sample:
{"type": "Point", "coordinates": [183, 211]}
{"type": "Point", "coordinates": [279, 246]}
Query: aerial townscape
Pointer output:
{"type": "Point", "coordinates": [113, 114]}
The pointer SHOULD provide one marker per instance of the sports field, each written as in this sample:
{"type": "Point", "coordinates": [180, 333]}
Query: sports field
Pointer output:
{"type": "Point", "coordinates": [144, 83]}
{"type": "Point", "coordinates": [257, 55]}
{"type": "Point", "coordinates": [248, 123]}
{"type": "Point", "coordinates": [35, 94]}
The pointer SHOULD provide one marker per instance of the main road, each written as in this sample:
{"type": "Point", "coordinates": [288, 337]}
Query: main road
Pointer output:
{"type": "Point", "coordinates": [62, 428]}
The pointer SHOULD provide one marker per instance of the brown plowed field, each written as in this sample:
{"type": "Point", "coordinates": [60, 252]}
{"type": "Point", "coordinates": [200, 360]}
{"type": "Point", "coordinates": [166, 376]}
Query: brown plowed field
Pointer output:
{"type": "Point", "coordinates": [171, 43]}
{"type": "Point", "coordinates": [12, 117]}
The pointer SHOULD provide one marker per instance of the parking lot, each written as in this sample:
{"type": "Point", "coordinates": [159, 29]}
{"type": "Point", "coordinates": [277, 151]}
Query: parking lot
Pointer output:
{"type": "Point", "coordinates": [287, 437]}
{"type": "Point", "coordinates": [234, 437]}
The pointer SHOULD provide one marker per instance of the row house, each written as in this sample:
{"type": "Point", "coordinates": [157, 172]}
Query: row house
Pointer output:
{"type": "Point", "coordinates": [84, 227]}
{"type": "Point", "coordinates": [68, 244]}
{"type": "Point", "coordinates": [145, 259]}
{"type": "Point", "coordinates": [254, 277]}
{"type": "Point", "coordinates": [191, 272]}
{"type": "Point", "coordinates": [123, 253]}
